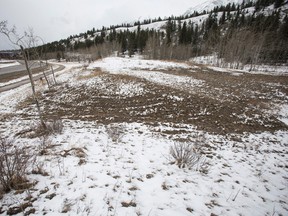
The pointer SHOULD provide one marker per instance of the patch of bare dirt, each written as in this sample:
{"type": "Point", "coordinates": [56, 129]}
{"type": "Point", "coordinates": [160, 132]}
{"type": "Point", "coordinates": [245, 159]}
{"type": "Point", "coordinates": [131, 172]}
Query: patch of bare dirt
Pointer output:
{"type": "Point", "coordinates": [224, 104]}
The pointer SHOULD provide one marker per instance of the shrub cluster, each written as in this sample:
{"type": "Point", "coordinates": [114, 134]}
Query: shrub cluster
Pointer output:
{"type": "Point", "coordinates": [184, 155]}
{"type": "Point", "coordinates": [14, 161]}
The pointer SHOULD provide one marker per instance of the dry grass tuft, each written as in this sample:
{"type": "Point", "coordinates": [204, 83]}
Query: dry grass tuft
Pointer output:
{"type": "Point", "coordinates": [184, 155]}
{"type": "Point", "coordinates": [128, 204]}
{"type": "Point", "coordinates": [94, 73]}
{"type": "Point", "coordinates": [78, 152]}
{"type": "Point", "coordinates": [53, 126]}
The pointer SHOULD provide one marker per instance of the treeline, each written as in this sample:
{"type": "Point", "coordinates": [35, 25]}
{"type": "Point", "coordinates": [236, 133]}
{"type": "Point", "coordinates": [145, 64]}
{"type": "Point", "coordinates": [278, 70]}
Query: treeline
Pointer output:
{"type": "Point", "coordinates": [235, 34]}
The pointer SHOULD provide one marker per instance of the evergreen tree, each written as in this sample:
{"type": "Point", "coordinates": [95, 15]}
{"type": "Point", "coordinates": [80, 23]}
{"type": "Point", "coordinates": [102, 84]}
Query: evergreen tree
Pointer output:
{"type": "Point", "coordinates": [58, 56]}
{"type": "Point", "coordinates": [179, 28]}
{"type": "Point", "coordinates": [123, 41]}
{"type": "Point", "coordinates": [169, 29]}
{"type": "Point", "coordinates": [233, 7]}
{"type": "Point", "coordinates": [85, 36]}
{"type": "Point", "coordinates": [283, 30]}
{"type": "Point", "coordinates": [195, 38]}
{"type": "Point", "coordinates": [132, 44]}
{"type": "Point", "coordinates": [183, 34]}
{"type": "Point", "coordinates": [223, 18]}
{"type": "Point", "coordinates": [278, 3]}
{"type": "Point", "coordinates": [142, 39]}
{"type": "Point", "coordinates": [88, 43]}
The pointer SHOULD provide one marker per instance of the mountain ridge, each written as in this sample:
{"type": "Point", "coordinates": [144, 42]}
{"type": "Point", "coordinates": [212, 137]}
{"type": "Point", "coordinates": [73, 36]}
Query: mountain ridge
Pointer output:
{"type": "Point", "coordinates": [210, 5]}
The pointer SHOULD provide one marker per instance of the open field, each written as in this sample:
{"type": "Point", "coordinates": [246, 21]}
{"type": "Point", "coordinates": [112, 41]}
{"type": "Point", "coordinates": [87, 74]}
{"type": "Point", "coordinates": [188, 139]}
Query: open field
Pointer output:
{"type": "Point", "coordinates": [122, 115]}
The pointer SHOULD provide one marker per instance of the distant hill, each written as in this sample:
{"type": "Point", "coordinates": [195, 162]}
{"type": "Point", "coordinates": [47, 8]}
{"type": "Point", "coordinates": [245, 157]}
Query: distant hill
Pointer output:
{"type": "Point", "coordinates": [211, 4]}
{"type": "Point", "coordinates": [249, 32]}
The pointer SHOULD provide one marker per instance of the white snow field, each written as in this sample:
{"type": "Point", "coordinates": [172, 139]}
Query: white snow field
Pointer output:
{"type": "Point", "coordinates": [8, 63]}
{"type": "Point", "coordinates": [111, 167]}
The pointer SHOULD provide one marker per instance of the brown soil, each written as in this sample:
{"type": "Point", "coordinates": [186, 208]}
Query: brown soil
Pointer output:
{"type": "Point", "coordinates": [226, 103]}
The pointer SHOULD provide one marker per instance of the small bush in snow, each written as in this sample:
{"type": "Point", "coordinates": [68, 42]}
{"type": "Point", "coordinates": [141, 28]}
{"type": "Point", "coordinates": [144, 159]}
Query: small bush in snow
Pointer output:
{"type": "Point", "coordinates": [55, 126]}
{"type": "Point", "coordinates": [52, 126]}
{"type": "Point", "coordinates": [184, 155]}
{"type": "Point", "coordinates": [14, 161]}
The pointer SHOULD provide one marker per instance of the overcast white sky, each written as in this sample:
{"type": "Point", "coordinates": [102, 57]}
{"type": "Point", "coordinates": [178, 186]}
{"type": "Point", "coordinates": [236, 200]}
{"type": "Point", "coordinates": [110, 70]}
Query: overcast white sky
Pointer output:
{"type": "Point", "coordinates": [58, 19]}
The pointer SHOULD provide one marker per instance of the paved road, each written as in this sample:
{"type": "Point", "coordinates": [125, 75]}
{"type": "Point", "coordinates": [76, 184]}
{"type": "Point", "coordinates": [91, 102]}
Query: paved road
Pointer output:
{"type": "Point", "coordinates": [17, 68]}
{"type": "Point", "coordinates": [27, 80]}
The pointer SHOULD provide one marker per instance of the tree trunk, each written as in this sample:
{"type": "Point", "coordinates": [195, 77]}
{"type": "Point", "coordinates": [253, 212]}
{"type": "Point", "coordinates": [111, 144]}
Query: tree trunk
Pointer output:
{"type": "Point", "coordinates": [33, 88]}
{"type": "Point", "coordinates": [53, 75]}
{"type": "Point", "coordinates": [46, 78]}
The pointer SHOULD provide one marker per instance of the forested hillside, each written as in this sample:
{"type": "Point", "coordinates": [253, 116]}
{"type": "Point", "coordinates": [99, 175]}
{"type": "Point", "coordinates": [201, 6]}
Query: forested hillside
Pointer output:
{"type": "Point", "coordinates": [249, 33]}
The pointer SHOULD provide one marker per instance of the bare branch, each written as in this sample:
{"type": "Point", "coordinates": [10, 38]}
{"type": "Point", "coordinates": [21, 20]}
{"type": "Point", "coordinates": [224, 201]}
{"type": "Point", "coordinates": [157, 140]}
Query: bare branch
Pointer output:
{"type": "Point", "coordinates": [27, 39]}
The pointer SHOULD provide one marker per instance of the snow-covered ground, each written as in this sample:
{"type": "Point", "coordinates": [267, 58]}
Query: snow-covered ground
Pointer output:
{"type": "Point", "coordinates": [217, 64]}
{"type": "Point", "coordinates": [124, 168]}
{"type": "Point", "coordinates": [210, 5]}
{"type": "Point", "coordinates": [10, 99]}
{"type": "Point", "coordinates": [151, 70]}
{"type": "Point", "coordinates": [8, 63]}
{"type": "Point", "coordinates": [22, 78]}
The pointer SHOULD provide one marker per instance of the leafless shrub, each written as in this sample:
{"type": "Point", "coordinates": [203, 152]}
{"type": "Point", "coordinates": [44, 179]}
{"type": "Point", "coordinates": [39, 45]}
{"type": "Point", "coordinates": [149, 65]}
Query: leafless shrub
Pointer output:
{"type": "Point", "coordinates": [78, 152]}
{"type": "Point", "coordinates": [51, 127]}
{"type": "Point", "coordinates": [55, 126]}
{"type": "Point", "coordinates": [46, 147]}
{"type": "Point", "coordinates": [18, 209]}
{"type": "Point", "coordinates": [14, 161]}
{"type": "Point", "coordinates": [66, 206]}
{"type": "Point", "coordinates": [184, 155]}
{"type": "Point", "coordinates": [39, 170]}
{"type": "Point", "coordinates": [45, 144]}
{"type": "Point", "coordinates": [115, 132]}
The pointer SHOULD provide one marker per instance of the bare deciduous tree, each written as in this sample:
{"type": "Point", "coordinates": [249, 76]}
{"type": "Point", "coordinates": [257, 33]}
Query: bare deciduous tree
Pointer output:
{"type": "Point", "coordinates": [24, 42]}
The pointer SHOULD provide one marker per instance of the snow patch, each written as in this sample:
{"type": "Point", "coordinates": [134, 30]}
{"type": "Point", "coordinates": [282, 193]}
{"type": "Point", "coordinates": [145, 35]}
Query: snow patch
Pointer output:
{"type": "Point", "coordinates": [218, 64]}
{"type": "Point", "coordinates": [149, 70]}
{"type": "Point", "coordinates": [283, 113]}
{"type": "Point", "coordinates": [8, 63]}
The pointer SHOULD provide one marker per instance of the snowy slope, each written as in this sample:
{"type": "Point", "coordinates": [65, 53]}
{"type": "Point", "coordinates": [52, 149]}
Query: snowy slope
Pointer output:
{"type": "Point", "coordinates": [198, 20]}
{"type": "Point", "coordinates": [210, 5]}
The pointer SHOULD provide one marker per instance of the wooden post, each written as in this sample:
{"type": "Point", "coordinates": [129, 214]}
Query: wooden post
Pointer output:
{"type": "Point", "coordinates": [45, 75]}
{"type": "Point", "coordinates": [53, 75]}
